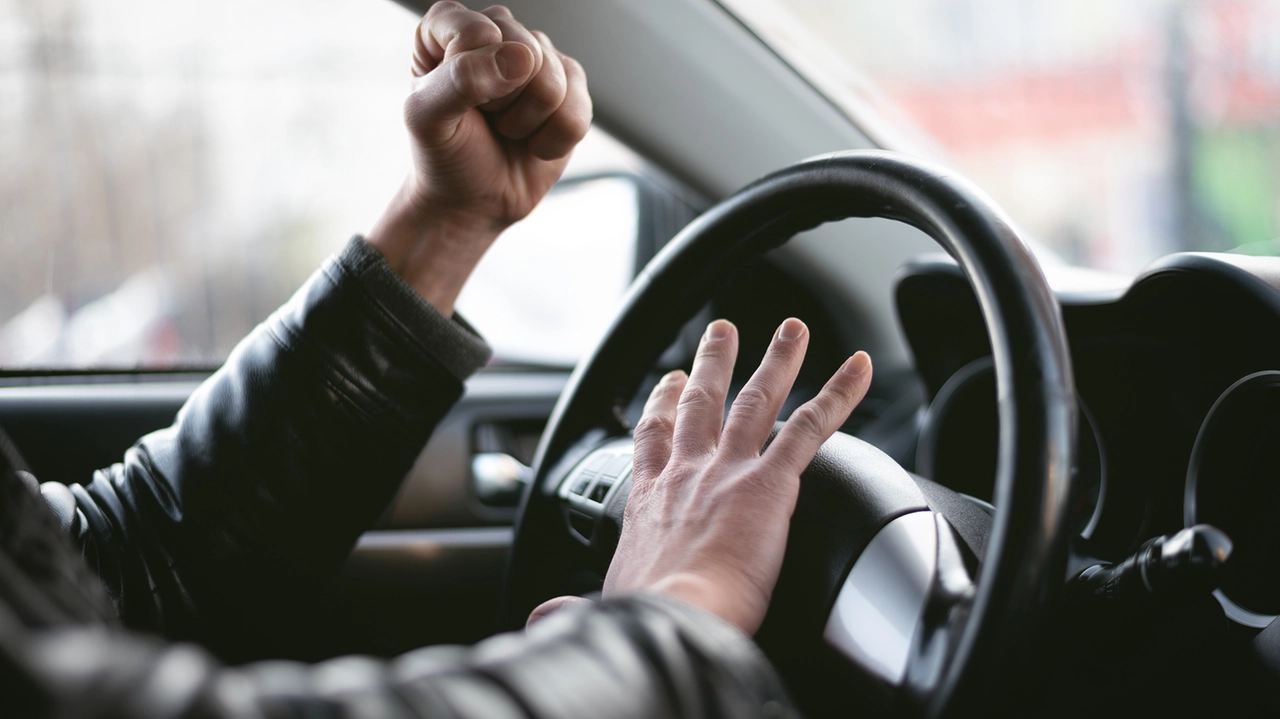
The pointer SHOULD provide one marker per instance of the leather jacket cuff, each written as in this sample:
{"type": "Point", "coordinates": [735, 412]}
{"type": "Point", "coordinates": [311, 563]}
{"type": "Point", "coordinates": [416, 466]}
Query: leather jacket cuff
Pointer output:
{"type": "Point", "coordinates": [451, 341]}
{"type": "Point", "coordinates": [711, 668]}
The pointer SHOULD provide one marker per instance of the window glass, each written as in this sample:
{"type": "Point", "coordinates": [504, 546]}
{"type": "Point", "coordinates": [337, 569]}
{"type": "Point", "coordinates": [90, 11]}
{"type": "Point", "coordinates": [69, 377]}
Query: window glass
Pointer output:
{"type": "Point", "coordinates": [582, 241]}
{"type": "Point", "coordinates": [1114, 132]}
{"type": "Point", "coordinates": [170, 172]}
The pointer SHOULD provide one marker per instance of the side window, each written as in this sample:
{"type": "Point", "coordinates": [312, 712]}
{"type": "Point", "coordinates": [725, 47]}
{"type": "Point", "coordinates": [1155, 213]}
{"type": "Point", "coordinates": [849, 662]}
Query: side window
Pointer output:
{"type": "Point", "coordinates": [581, 241]}
{"type": "Point", "coordinates": [172, 172]}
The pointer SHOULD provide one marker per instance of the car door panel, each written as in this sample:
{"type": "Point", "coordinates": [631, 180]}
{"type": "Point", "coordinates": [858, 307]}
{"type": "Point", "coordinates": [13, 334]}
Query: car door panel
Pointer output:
{"type": "Point", "coordinates": [428, 572]}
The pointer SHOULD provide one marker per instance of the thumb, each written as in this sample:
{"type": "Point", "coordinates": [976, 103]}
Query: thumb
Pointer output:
{"type": "Point", "coordinates": [551, 606]}
{"type": "Point", "coordinates": [464, 82]}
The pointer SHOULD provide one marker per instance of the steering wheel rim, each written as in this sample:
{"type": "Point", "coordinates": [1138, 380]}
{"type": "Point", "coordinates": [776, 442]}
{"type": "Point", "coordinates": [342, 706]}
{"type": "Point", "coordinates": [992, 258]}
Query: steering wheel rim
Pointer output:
{"type": "Point", "coordinates": [1025, 558]}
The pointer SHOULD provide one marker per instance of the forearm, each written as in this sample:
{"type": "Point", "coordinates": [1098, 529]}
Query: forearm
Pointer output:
{"type": "Point", "coordinates": [435, 251]}
{"type": "Point", "coordinates": [279, 461]}
{"type": "Point", "coordinates": [636, 656]}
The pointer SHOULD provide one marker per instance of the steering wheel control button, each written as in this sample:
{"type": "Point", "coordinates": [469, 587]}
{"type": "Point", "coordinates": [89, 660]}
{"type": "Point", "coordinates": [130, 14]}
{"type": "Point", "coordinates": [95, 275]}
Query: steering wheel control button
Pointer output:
{"type": "Point", "coordinates": [878, 609]}
{"type": "Point", "coordinates": [616, 467]}
{"type": "Point", "coordinates": [600, 490]}
{"type": "Point", "coordinates": [586, 489]}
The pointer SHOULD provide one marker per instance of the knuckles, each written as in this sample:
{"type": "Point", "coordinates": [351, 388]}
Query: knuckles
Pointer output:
{"type": "Point", "coordinates": [653, 427]}
{"type": "Point", "coordinates": [444, 6]}
{"type": "Point", "coordinates": [565, 105]}
{"type": "Point", "coordinates": [751, 402]}
{"type": "Point", "coordinates": [475, 35]}
{"type": "Point", "coordinates": [451, 22]}
{"type": "Point", "coordinates": [716, 349]}
{"type": "Point", "coordinates": [471, 73]}
{"type": "Point", "coordinates": [809, 419]}
{"type": "Point", "coordinates": [697, 397]}
{"type": "Point", "coordinates": [574, 125]}
{"type": "Point", "coordinates": [547, 91]}
{"type": "Point", "coordinates": [571, 64]}
{"type": "Point", "coordinates": [558, 138]}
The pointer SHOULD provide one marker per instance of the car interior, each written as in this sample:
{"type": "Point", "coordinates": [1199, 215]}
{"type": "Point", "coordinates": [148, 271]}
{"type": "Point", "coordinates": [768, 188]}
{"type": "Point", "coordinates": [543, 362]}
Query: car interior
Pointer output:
{"type": "Point", "coordinates": [1066, 475]}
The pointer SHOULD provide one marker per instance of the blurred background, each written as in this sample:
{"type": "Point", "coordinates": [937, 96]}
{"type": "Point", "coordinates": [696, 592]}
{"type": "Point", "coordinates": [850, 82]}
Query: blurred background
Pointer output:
{"type": "Point", "coordinates": [1113, 132]}
{"type": "Point", "coordinates": [170, 172]}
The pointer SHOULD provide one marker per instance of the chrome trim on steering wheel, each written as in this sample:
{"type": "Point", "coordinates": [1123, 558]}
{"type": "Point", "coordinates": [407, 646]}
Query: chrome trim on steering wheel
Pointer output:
{"type": "Point", "coordinates": [878, 609]}
{"type": "Point", "coordinates": [1240, 615]}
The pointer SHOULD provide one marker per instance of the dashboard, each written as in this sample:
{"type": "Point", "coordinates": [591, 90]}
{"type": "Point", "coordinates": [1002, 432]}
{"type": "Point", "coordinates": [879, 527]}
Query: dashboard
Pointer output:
{"type": "Point", "coordinates": [1178, 391]}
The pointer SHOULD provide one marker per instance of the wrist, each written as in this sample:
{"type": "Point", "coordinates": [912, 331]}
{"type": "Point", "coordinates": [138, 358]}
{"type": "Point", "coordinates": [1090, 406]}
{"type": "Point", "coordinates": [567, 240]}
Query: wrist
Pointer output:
{"type": "Point", "coordinates": [434, 250]}
{"type": "Point", "coordinates": [709, 596]}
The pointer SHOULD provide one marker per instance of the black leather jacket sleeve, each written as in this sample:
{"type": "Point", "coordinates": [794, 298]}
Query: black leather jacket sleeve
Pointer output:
{"type": "Point", "coordinates": [215, 528]}
{"type": "Point", "coordinates": [639, 656]}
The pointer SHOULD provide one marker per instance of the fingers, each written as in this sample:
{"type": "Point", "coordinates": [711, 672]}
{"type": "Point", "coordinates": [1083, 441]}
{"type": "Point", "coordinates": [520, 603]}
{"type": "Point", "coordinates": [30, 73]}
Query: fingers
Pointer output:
{"type": "Point", "coordinates": [462, 82]}
{"type": "Point", "coordinates": [513, 31]}
{"type": "Point", "coordinates": [654, 430]}
{"type": "Point", "coordinates": [813, 422]}
{"type": "Point", "coordinates": [756, 407]}
{"type": "Point", "coordinates": [464, 59]}
{"type": "Point", "coordinates": [569, 124]}
{"type": "Point", "coordinates": [448, 29]}
{"type": "Point", "coordinates": [540, 98]}
{"type": "Point", "coordinates": [701, 408]}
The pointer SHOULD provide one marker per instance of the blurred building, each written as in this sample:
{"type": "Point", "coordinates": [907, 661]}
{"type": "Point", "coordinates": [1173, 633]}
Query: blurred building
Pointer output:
{"type": "Point", "coordinates": [171, 172]}
{"type": "Point", "coordinates": [1114, 132]}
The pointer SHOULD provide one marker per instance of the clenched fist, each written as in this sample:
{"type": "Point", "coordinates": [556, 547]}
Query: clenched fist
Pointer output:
{"type": "Point", "coordinates": [494, 114]}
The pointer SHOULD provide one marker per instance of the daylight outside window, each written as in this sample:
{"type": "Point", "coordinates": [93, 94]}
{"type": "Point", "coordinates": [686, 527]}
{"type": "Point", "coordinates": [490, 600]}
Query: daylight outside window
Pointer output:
{"type": "Point", "coordinates": [1112, 132]}
{"type": "Point", "coordinates": [169, 174]}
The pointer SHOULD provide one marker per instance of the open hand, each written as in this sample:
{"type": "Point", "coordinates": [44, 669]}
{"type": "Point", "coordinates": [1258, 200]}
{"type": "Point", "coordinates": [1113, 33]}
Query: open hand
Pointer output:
{"type": "Point", "coordinates": [708, 515]}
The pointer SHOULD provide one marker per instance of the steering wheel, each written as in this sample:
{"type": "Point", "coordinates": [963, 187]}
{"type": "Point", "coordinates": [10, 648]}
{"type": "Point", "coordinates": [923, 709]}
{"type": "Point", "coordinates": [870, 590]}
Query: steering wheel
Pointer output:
{"type": "Point", "coordinates": [876, 606]}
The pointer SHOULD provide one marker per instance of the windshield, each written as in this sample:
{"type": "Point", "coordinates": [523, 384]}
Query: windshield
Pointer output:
{"type": "Point", "coordinates": [1112, 132]}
